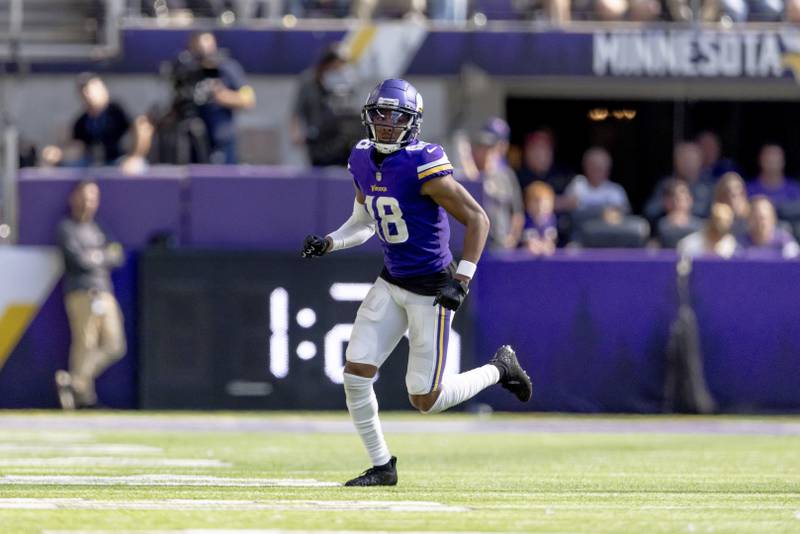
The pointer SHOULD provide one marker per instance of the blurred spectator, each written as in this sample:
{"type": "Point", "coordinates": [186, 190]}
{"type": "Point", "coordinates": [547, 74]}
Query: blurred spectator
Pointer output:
{"type": "Point", "coordinates": [99, 132]}
{"type": "Point", "coordinates": [448, 10]}
{"type": "Point", "coordinates": [554, 11]}
{"type": "Point", "coordinates": [538, 163]}
{"type": "Point", "coordinates": [618, 10]}
{"type": "Point", "coordinates": [540, 233]}
{"type": "Point", "coordinates": [133, 163]}
{"type": "Point", "coordinates": [326, 113]}
{"type": "Point", "coordinates": [610, 10]}
{"type": "Point", "coordinates": [320, 8]}
{"type": "Point", "coordinates": [592, 192]}
{"type": "Point", "coordinates": [731, 190]}
{"type": "Point", "coordinates": [502, 197]}
{"type": "Point", "coordinates": [687, 167]}
{"type": "Point", "coordinates": [644, 10]}
{"type": "Point", "coordinates": [102, 125]}
{"type": "Point", "coordinates": [228, 92]}
{"type": "Point", "coordinates": [5, 226]}
{"type": "Point", "coordinates": [771, 181]}
{"type": "Point", "coordinates": [792, 13]}
{"type": "Point", "coordinates": [728, 11]}
{"type": "Point", "coordinates": [71, 155]}
{"type": "Point", "coordinates": [98, 336]}
{"type": "Point", "coordinates": [714, 165]}
{"type": "Point", "coordinates": [678, 221]}
{"type": "Point", "coordinates": [763, 10]}
{"type": "Point", "coordinates": [591, 197]}
{"type": "Point", "coordinates": [765, 238]}
{"type": "Point", "coordinates": [715, 239]}
{"type": "Point", "coordinates": [369, 9]}
{"type": "Point", "coordinates": [136, 162]}
{"type": "Point", "coordinates": [197, 8]}
{"type": "Point", "coordinates": [495, 132]}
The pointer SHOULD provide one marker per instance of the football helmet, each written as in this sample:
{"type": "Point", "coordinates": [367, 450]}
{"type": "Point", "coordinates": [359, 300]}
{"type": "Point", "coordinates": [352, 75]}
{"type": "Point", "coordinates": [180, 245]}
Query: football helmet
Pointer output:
{"type": "Point", "coordinates": [392, 115]}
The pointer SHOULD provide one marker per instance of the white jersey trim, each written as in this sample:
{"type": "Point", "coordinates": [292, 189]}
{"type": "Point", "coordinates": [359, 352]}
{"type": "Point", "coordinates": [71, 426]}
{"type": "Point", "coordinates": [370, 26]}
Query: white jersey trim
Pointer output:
{"type": "Point", "coordinates": [441, 161]}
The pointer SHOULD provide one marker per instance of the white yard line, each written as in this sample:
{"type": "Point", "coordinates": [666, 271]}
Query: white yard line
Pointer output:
{"type": "Point", "coordinates": [551, 508]}
{"type": "Point", "coordinates": [46, 437]}
{"type": "Point", "coordinates": [283, 423]}
{"type": "Point", "coordinates": [73, 448]}
{"type": "Point", "coordinates": [109, 461]}
{"type": "Point", "coordinates": [229, 505]}
{"type": "Point", "coordinates": [159, 480]}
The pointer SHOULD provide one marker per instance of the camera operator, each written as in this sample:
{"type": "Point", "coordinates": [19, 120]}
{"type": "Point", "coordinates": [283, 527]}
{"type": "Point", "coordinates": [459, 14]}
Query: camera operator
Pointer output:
{"type": "Point", "coordinates": [326, 117]}
{"type": "Point", "coordinates": [210, 87]}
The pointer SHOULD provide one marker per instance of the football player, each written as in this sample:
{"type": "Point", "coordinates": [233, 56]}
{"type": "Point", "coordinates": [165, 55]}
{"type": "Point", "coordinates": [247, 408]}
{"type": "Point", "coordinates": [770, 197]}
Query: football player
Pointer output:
{"type": "Point", "coordinates": [404, 191]}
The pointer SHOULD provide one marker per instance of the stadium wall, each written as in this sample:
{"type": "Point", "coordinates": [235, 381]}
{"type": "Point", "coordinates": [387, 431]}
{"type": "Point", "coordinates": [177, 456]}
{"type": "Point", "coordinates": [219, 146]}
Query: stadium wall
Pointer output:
{"type": "Point", "coordinates": [455, 70]}
{"type": "Point", "coordinates": [592, 326]}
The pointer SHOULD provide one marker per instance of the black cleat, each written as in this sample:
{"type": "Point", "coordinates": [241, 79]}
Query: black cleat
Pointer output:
{"type": "Point", "coordinates": [512, 376]}
{"type": "Point", "coordinates": [380, 475]}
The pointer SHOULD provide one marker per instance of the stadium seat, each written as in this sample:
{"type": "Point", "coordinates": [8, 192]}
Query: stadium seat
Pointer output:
{"type": "Point", "coordinates": [498, 9]}
{"type": "Point", "coordinates": [631, 232]}
{"type": "Point", "coordinates": [670, 237]}
{"type": "Point", "coordinates": [578, 218]}
{"type": "Point", "coordinates": [789, 211]}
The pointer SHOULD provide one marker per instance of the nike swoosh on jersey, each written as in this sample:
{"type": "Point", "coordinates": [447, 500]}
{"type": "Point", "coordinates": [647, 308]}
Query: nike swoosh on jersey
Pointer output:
{"type": "Point", "coordinates": [430, 150]}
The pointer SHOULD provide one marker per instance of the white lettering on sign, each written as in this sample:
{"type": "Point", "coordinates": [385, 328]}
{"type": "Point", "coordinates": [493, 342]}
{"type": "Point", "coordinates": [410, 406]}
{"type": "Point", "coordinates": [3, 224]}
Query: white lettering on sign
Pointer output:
{"type": "Point", "coordinates": [686, 53]}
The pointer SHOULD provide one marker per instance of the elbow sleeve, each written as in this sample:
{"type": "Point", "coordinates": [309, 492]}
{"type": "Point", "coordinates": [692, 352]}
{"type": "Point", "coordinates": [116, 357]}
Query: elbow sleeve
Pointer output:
{"type": "Point", "coordinates": [355, 231]}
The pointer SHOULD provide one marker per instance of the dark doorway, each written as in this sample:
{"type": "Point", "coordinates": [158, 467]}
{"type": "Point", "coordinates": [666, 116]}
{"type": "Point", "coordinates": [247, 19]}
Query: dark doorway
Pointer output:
{"type": "Point", "coordinates": [641, 146]}
{"type": "Point", "coordinates": [746, 126]}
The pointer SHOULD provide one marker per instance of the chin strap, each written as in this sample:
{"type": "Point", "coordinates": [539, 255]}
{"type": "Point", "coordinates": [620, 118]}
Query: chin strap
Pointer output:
{"type": "Point", "coordinates": [387, 148]}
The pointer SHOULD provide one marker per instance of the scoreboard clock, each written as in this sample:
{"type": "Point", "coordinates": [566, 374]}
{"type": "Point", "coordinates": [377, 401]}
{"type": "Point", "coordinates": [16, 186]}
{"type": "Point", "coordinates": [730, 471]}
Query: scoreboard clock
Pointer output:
{"type": "Point", "coordinates": [256, 330]}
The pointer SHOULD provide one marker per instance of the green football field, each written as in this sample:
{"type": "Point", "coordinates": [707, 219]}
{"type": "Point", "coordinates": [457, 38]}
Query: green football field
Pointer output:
{"type": "Point", "coordinates": [234, 473]}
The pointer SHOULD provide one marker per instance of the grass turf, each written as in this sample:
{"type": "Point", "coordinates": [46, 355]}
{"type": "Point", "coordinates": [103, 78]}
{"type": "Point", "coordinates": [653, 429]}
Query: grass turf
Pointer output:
{"type": "Point", "coordinates": [530, 482]}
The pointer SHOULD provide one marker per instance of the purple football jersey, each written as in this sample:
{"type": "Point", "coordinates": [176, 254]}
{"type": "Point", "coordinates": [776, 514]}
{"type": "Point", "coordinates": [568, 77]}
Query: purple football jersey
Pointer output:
{"type": "Point", "coordinates": [413, 229]}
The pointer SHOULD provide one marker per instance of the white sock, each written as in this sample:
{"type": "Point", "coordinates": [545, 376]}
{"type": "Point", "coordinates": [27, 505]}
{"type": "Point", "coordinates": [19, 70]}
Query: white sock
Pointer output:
{"type": "Point", "coordinates": [456, 389]}
{"type": "Point", "coordinates": [363, 407]}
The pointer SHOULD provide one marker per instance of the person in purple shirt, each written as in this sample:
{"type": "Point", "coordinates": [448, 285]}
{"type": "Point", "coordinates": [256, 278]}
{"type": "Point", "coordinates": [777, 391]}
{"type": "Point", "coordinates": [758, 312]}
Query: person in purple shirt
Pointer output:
{"type": "Point", "coordinates": [404, 190]}
{"type": "Point", "coordinates": [765, 239]}
{"type": "Point", "coordinates": [772, 182]}
{"type": "Point", "coordinates": [540, 233]}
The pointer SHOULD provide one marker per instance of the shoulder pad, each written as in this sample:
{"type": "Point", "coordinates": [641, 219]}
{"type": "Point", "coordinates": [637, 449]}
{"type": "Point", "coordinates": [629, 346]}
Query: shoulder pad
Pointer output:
{"type": "Point", "coordinates": [417, 146]}
{"type": "Point", "coordinates": [364, 144]}
{"type": "Point", "coordinates": [432, 160]}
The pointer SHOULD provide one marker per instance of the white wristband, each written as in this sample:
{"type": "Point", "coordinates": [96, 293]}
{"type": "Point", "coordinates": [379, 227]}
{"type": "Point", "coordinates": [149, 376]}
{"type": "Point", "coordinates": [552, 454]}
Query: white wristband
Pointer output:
{"type": "Point", "coordinates": [466, 268]}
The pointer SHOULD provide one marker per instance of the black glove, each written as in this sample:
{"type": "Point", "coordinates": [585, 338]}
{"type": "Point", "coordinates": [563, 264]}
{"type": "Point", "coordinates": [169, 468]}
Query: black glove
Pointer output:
{"type": "Point", "coordinates": [452, 295]}
{"type": "Point", "coordinates": [314, 246]}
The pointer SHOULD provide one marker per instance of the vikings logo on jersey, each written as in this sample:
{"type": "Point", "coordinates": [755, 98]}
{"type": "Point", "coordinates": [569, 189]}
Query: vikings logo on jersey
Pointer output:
{"type": "Point", "coordinates": [413, 229]}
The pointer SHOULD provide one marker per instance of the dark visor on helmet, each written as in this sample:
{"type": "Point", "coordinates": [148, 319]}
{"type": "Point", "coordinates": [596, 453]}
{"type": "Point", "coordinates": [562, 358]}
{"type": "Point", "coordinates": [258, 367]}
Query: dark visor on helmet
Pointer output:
{"type": "Point", "coordinates": [388, 117]}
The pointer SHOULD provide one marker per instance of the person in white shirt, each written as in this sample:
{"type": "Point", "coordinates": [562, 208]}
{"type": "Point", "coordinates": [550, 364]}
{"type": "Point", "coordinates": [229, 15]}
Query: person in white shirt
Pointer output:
{"type": "Point", "coordinates": [593, 191]}
{"type": "Point", "coordinates": [715, 239]}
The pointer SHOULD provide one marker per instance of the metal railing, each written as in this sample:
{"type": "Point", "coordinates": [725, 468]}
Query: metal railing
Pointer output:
{"type": "Point", "coordinates": [33, 30]}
